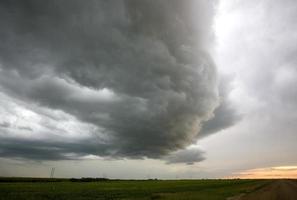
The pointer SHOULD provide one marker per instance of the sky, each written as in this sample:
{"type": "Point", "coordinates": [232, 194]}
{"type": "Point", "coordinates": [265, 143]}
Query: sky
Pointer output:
{"type": "Point", "coordinates": [148, 89]}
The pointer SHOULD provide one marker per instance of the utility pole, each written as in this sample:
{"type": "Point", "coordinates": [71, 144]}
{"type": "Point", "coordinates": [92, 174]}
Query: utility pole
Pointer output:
{"type": "Point", "coordinates": [52, 172]}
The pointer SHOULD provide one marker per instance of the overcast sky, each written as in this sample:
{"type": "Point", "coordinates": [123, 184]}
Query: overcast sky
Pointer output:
{"type": "Point", "coordinates": [143, 89]}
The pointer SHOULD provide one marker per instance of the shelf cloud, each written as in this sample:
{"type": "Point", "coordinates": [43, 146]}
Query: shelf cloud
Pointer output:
{"type": "Point", "coordinates": [128, 78]}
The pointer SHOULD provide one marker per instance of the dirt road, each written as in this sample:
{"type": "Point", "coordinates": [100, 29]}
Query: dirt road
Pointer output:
{"type": "Point", "coordinates": [277, 190]}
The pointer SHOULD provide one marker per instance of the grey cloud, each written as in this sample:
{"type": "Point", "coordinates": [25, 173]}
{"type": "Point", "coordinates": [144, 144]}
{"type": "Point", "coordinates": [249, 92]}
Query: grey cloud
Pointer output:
{"type": "Point", "coordinates": [5, 124]}
{"type": "Point", "coordinates": [186, 156]}
{"type": "Point", "coordinates": [25, 128]}
{"type": "Point", "coordinates": [48, 150]}
{"type": "Point", "coordinates": [151, 56]}
{"type": "Point", "coordinates": [225, 115]}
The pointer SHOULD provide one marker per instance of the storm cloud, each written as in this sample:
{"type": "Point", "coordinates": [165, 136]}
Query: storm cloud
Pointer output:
{"type": "Point", "coordinates": [137, 74]}
{"type": "Point", "coordinates": [188, 156]}
{"type": "Point", "coordinates": [226, 114]}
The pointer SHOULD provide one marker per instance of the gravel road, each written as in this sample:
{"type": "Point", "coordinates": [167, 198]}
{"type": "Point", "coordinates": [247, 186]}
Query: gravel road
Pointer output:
{"type": "Point", "coordinates": [277, 190]}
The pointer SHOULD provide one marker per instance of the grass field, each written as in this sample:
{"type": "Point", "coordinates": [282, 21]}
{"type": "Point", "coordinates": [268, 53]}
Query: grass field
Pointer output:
{"type": "Point", "coordinates": [64, 189]}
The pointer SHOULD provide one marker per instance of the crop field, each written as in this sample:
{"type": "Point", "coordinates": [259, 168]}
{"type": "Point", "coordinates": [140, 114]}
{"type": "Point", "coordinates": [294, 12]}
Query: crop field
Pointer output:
{"type": "Point", "coordinates": [67, 189]}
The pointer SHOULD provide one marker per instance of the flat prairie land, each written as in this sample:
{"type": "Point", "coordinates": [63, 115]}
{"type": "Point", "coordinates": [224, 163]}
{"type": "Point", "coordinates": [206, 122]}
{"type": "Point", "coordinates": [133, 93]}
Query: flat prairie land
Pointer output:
{"type": "Point", "coordinates": [65, 189]}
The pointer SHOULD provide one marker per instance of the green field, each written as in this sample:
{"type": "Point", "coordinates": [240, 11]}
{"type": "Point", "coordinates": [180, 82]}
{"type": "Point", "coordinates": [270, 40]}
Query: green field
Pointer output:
{"type": "Point", "coordinates": [64, 189]}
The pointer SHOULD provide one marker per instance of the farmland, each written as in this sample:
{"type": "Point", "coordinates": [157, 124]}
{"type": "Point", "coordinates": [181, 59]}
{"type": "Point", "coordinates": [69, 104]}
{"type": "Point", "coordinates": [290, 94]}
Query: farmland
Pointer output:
{"type": "Point", "coordinates": [85, 189]}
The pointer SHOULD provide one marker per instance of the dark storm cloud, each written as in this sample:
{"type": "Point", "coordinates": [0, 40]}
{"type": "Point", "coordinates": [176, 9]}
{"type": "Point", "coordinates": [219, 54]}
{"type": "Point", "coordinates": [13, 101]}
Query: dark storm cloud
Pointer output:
{"type": "Point", "coordinates": [225, 115]}
{"type": "Point", "coordinates": [138, 70]}
{"type": "Point", "coordinates": [187, 156]}
{"type": "Point", "coordinates": [48, 150]}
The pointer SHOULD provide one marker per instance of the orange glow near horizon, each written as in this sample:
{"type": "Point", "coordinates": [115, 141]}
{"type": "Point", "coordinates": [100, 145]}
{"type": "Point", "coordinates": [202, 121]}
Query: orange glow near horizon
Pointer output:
{"type": "Point", "coordinates": [268, 173]}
